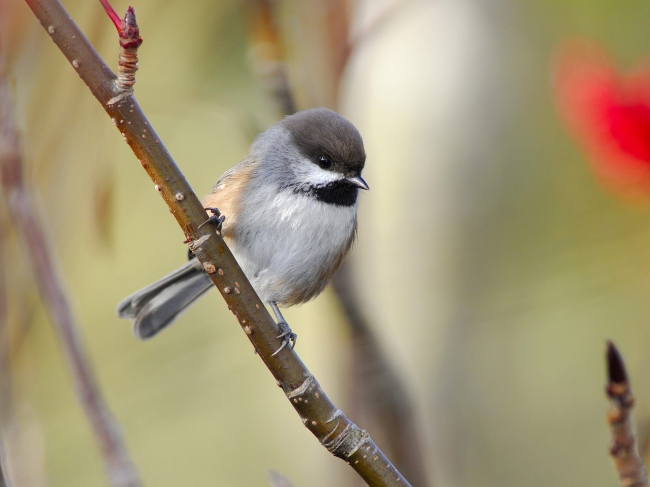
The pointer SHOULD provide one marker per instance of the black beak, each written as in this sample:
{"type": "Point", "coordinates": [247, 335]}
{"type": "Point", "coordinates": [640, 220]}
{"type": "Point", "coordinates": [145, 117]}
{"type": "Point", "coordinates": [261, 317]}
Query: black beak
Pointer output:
{"type": "Point", "coordinates": [358, 182]}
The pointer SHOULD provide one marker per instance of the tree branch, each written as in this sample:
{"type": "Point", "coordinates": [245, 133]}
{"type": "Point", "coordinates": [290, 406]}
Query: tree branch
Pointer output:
{"type": "Point", "coordinates": [120, 470]}
{"type": "Point", "coordinates": [332, 428]}
{"type": "Point", "coordinates": [630, 467]}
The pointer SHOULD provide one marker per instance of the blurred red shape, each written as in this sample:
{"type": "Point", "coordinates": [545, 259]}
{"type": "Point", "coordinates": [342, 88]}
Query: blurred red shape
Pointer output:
{"type": "Point", "coordinates": [608, 113]}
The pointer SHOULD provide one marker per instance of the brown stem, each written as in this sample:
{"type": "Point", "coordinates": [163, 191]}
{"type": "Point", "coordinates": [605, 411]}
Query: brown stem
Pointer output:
{"type": "Point", "coordinates": [120, 470]}
{"type": "Point", "coordinates": [630, 467]}
{"type": "Point", "coordinates": [335, 431]}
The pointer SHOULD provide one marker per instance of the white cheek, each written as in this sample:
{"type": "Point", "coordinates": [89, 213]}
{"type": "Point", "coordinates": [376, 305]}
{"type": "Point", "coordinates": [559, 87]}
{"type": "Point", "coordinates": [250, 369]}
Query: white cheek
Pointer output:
{"type": "Point", "coordinates": [309, 173]}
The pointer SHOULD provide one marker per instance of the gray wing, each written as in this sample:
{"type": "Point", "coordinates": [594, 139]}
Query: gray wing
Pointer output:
{"type": "Point", "coordinates": [159, 304]}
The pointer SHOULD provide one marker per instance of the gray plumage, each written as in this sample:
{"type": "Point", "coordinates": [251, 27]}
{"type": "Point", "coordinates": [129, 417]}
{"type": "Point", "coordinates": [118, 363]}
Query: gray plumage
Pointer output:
{"type": "Point", "coordinates": [291, 217]}
{"type": "Point", "coordinates": [160, 303]}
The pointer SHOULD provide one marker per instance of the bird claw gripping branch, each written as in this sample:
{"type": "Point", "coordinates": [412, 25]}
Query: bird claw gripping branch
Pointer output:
{"type": "Point", "coordinates": [288, 337]}
{"type": "Point", "coordinates": [130, 41]}
{"type": "Point", "coordinates": [217, 218]}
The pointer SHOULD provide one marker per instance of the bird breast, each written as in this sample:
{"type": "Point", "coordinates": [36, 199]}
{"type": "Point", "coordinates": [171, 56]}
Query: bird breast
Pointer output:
{"type": "Point", "coordinates": [290, 244]}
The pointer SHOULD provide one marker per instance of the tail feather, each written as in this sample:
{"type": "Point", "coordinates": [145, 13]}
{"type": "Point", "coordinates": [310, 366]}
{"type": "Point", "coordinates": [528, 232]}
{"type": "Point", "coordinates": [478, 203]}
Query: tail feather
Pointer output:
{"type": "Point", "coordinates": [159, 304]}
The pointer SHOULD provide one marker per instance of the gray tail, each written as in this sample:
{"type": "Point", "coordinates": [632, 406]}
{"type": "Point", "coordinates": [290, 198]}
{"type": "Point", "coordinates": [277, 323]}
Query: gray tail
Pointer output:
{"type": "Point", "coordinates": [159, 304]}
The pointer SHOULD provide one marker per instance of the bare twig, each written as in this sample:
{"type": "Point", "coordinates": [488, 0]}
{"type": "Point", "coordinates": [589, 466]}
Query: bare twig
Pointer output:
{"type": "Point", "coordinates": [130, 41]}
{"type": "Point", "coordinates": [332, 428]}
{"type": "Point", "coordinates": [120, 470]}
{"type": "Point", "coordinates": [630, 467]}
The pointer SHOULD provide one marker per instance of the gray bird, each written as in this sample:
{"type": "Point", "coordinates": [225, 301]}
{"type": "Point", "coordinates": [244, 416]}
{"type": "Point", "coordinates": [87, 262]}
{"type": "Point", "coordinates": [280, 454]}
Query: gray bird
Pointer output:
{"type": "Point", "coordinates": [290, 209]}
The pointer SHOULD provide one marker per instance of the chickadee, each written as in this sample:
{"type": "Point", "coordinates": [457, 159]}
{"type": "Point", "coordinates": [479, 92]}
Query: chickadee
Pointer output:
{"type": "Point", "coordinates": [290, 209]}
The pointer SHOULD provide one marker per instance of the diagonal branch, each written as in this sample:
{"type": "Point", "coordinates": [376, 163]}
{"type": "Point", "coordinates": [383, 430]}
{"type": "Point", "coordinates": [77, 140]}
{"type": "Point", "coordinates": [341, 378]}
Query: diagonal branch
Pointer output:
{"type": "Point", "coordinates": [332, 428]}
{"type": "Point", "coordinates": [630, 467]}
{"type": "Point", "coordinates": [120, 470]}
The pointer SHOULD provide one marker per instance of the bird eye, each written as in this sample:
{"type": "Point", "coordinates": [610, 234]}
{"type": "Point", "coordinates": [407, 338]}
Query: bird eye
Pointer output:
{"type": "Point", "coordinates": [324, 162]}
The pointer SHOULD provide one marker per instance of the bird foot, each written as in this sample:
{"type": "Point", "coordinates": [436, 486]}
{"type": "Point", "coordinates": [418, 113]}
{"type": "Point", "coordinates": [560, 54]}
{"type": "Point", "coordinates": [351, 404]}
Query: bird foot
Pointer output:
{"type": "Point", "coordinates": [288, 337]}
{"type": "Point", "coordinates": [217, 218]}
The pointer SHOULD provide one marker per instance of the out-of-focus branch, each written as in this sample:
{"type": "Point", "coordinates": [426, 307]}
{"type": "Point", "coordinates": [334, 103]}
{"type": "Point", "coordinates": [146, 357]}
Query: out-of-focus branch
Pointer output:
{"type": "Point", "coordinates": [630, 467]}
{"type": "Point", "coordinates": [376, 390]}
{"type": "Point", "coordinates": [266, 53]}
{"type": "Point", "coordinates": [374, 27]}
{"type": "Point", "coordinates": [119, 468]}
{"type": "Point", "coordinates": [643, 439]}
{"type": "Point", "coordinates": [332, 428]}
{"type": "Point", "coordinates": [6, 396]}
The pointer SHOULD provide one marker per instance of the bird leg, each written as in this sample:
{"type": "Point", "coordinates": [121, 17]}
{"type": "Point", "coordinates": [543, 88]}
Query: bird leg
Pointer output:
{"type": "Point", "coordinates": [217, 218]}
{"type": "Point", "coordinates": [288, 337]}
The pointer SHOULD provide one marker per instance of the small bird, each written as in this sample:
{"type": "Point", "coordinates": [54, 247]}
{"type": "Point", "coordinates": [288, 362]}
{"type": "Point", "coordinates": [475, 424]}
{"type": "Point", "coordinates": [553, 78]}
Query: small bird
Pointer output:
{"type": "Point", "coordinates": [288, 213]}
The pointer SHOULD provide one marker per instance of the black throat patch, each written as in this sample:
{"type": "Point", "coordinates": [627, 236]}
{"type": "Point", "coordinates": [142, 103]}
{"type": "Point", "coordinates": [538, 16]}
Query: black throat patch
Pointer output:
{"type": "Point", "coordinates": [337, 193]}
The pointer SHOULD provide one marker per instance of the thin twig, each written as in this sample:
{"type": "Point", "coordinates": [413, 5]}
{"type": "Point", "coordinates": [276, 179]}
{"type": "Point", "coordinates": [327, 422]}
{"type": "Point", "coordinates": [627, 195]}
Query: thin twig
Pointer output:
{"type": "Point", "coordinates": [332, 428]}
{"type": "Point", "coordinates": [630, 467]}
{"type": "Point", "coordinates": [119, 468]}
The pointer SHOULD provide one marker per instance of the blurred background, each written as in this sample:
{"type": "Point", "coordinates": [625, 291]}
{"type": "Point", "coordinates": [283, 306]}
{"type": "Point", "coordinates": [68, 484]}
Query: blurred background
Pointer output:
{"type": "Point", "coordinates": [498, 248]}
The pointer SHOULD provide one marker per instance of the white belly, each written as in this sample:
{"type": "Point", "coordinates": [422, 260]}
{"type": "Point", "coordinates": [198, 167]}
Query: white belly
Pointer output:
{"type": "Point", "coordinates": [289, 244]}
